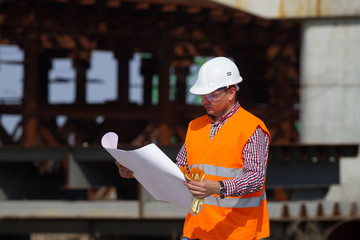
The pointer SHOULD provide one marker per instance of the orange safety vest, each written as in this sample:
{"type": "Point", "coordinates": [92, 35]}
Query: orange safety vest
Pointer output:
{"type": "Point", "coordinates": [244, 217]}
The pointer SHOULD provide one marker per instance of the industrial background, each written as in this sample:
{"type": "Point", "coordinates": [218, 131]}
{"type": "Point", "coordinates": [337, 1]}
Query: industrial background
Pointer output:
{"type": "Point", "coordinates": [300, 64]}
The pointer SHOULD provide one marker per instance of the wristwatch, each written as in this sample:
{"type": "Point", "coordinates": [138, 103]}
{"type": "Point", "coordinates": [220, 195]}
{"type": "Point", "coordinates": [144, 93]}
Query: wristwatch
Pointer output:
{"type": "Point", "coordinates": [222, 189]}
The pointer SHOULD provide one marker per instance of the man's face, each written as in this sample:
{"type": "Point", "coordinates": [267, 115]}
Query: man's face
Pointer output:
{"type": "Point", "coordinates": [217, 102]}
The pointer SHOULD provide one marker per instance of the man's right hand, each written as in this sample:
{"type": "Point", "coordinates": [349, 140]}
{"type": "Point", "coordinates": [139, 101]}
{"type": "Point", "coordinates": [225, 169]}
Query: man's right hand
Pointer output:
{"type": "Point", "coordinates": [124, 172]}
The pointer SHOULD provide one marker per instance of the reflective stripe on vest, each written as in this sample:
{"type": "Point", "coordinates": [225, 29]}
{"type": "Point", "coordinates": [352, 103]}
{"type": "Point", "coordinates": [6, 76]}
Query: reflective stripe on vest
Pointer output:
{"type": "Point", "coordinates": [220, 171]}
{"type": "Point", "coordinates": [235, 202]}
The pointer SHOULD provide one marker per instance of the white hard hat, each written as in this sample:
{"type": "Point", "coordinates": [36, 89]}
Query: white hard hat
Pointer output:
{"type": "Point", "coordinates": [216, 73]}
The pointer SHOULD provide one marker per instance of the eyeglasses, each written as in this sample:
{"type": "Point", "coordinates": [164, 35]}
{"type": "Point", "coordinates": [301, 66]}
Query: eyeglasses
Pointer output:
{"type": "Point", "coordinates": [214, 96]}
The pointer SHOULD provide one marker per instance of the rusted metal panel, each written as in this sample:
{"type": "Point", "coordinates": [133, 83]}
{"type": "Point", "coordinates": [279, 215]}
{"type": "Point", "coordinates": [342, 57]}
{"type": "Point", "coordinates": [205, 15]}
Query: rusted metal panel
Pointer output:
{"type": "Point", "coordinates": [279, 9]}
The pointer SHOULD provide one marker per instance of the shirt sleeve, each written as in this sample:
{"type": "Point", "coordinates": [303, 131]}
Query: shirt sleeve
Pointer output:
{"type": "Point", "coordinates": [255, 154]}
{"type": "Point", "coordinates": [181, 159]}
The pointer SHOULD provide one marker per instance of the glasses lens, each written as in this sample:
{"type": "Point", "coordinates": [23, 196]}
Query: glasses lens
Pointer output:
{"type": "Point", "coordinates": [214, 96]}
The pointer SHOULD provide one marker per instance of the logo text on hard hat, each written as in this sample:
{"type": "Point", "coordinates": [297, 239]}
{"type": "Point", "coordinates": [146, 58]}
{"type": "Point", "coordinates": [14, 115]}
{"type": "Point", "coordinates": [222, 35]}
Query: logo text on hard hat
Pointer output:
{"type": "Point", "coordinates": [228, 74]}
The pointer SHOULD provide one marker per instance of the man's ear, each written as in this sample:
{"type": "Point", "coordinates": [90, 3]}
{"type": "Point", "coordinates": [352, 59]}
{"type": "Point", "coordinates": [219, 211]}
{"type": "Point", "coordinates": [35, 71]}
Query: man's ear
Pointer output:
{"type": "Point", "coordinates": [232, 93]}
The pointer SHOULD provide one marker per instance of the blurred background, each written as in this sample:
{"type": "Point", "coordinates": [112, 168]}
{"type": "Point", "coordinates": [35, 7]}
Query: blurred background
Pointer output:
{"type": "Point", "coordinates": [71, 71]}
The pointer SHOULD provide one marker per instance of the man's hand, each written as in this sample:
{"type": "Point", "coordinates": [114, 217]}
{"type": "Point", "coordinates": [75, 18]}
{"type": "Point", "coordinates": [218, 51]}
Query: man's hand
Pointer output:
{"type": "Point", "coordinates": [124, 172]}
{"type": "Point", "coordinates": [202, 189]}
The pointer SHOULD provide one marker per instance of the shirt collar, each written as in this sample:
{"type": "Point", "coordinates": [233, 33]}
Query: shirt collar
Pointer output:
{"type": "Point", "coordinates": [227, 115]}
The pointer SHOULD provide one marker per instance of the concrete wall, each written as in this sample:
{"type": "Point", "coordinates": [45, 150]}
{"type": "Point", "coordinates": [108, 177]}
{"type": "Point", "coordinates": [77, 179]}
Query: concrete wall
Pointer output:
{"type": "Point", "coordinates": [348, 187]}
{"type": "Point", "coordinates": [330, 81]}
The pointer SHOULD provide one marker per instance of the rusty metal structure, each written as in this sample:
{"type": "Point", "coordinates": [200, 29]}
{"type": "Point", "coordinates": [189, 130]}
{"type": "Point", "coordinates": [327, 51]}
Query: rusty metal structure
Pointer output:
{"type": "Point", "coordinates": [50, 186]}
{"type": "Point", "coordinates": [173, 32]}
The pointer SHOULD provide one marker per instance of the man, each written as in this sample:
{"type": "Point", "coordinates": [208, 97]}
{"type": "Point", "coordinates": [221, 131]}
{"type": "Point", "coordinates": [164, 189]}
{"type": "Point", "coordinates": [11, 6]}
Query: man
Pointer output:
{"type": "Point", "coordinates": [231, 145]}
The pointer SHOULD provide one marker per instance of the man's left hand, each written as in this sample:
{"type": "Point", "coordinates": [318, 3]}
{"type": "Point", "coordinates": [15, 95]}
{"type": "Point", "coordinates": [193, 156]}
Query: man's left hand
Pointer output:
{"type": "Point", "coordinates": [202, 189]}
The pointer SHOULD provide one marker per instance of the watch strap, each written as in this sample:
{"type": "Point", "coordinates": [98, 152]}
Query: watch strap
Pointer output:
{"type": "Point", "coordinates": [222, 189]}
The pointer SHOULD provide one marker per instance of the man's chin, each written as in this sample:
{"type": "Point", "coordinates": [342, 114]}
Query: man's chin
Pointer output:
{"type": "Point", "coordinates": [209, 111]}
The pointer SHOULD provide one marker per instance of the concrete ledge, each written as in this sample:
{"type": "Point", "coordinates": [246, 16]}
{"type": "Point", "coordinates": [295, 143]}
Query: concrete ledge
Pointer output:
{"type": "Point", "coordinates": [158, 210]}
{"type": "Point", "coordinates": [69, 209]}
{"type": "Point", "coordinates": [163, 210]}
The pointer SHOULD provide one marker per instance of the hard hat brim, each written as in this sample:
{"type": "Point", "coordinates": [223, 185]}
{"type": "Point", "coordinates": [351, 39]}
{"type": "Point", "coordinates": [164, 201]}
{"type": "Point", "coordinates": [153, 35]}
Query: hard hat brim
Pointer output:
{"type": "Point", "coordinates": [195, 89]}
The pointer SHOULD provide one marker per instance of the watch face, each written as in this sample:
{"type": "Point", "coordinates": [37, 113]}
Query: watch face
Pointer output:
{"type": "Point", "coordinates": [222, 190]}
